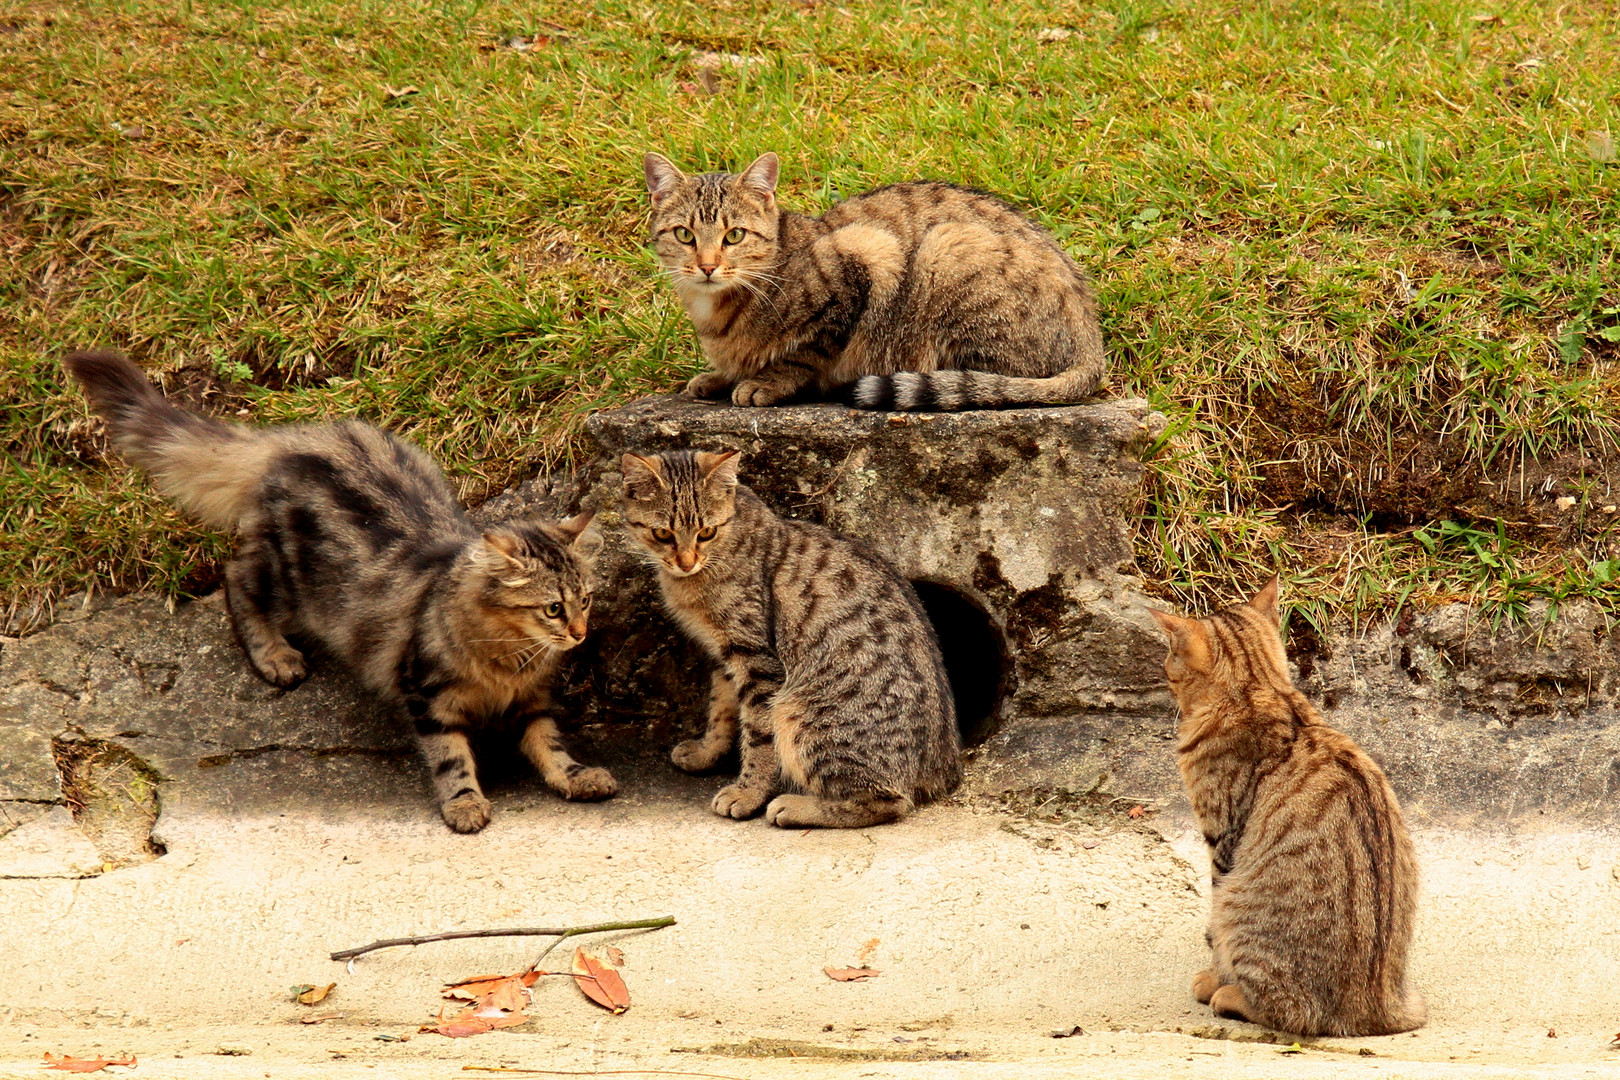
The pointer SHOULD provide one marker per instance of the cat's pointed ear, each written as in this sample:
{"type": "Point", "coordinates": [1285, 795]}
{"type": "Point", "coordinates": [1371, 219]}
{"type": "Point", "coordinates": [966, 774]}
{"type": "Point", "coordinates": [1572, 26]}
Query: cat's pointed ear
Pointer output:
{"type": "Point", "coordinates": [499, 554]}
{"type": "Point", "coordinates": [662, 176]}
{"type": "Point", "coordinates": [585, 540]}
{"type": "Point", "coordinates": [642, 475]}
{"type": "Point", "coordinates": [575, 527]}
{"type": "Point", "coordinates": [760, 177]}
{"type": "Point", "coordinates": [1265, 601]}
{"type": "Point", "coordinates": [719, 468]}
{"type": "Point", "coordinates": [1188, 638]}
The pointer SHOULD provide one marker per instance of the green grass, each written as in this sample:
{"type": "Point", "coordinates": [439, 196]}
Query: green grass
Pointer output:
{"type": "Point", "coordinates": [1363, 254]}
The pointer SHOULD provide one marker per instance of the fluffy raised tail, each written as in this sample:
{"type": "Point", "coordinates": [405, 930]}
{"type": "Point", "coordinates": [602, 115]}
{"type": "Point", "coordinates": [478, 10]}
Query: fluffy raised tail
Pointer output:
{"type": "Point", "coordinates": [209, 468]}
{"type": "Point", "coordinates": [953, 390]}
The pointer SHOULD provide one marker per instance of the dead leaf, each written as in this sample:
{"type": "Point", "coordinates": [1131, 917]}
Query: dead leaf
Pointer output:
{"type": "Point", "coordinates": [321, 1019]}
{"type": "Point", "coordinates": [1529, 63]}
{"type": "Point", "coordinates": [1488, 20]}
{"type": "Point", "coordinates": [600, 983]}
{"type": "Point", "coordinates": [850, 974]}
{"type": "Point", "coordinates": [69, 1063]}
{"type": "Point", "coordinates": [1053, 34]}
{"type": "Point", "coordinates": [404, 91]}
{"type": "Point", "coordinates": [1136, 811]}
{"type": "Point", "coordinates": [476, 987]}
{"type": "Point", "coordinates": [615, 956]}
{"type": "Point", "coordinates": [306, 994]}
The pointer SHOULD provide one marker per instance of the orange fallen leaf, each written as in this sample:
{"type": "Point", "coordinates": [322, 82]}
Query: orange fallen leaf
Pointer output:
{"type": "Point", "coordinates": [850, 974]}
{"type": "Point", "coordinates": [305, 994]}
{"type": "Point", "coordinates": [476, 987]}
{"type": "Point", "coordinates": [1136, 811]}
{"type": "Point", "coordinates": [500, 1005]}
{"type": "Point", "coordinates": [69, 1063]}
{"type": "Point", "coordinates": [615, 956]}
{"type": "Point", "coordinates": [600, 983]}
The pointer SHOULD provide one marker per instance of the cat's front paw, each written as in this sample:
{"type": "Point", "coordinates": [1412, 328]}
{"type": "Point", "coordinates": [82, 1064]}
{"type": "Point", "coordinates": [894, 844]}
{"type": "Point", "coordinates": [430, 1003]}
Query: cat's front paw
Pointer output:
{"type": "Point", "coordinates": [281, 665]}
{"type": "Point", "coordinates": [466, 813]}
{"type": "Point", "coordinates": [756, 393]}
{"type": "Point", "coordinates": [708, 386]}
{"type": "Point", "coordinates": [1204, 985]}
{"type": "Point", "coordinates": [694, 756]}
{"type": "Point", "coordinates": [589, 785]}
{"type": "Point", "coordinates": [736, 801]}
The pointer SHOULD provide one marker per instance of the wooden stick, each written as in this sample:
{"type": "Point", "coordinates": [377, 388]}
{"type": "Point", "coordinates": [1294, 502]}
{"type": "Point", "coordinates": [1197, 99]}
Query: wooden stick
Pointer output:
{"type": "Point", "coordinates": [558, 932]}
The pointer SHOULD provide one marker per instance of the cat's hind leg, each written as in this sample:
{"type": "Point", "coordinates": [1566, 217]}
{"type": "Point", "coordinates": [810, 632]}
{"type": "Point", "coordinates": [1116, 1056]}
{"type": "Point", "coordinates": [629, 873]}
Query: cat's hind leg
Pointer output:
{"type": "Point", "coordinates": [853, 798]}
{"type": "Point", "coordinates": [701, 755]}
{"type": "Point", "coordinates": [250, 590]}
{"type": "Point", "coordinates": [812, 811]}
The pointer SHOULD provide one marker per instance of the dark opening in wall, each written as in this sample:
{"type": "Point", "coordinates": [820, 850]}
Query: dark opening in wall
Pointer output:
{"type": "Point", "coordinates": [975, 658]}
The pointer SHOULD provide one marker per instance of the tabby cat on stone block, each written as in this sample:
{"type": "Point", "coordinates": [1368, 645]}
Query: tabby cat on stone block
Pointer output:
{"type": "Point", "coordinates": [824, 659]}
{"type": "Point", "coordinates": [1314, 882]}
{"type": "Point", "coordinates": [923, 295]}
{"type": "Point", "coordinates": [353, 538]}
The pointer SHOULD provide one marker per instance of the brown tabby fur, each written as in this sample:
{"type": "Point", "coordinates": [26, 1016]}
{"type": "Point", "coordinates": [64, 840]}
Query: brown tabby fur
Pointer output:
{"type": "Point", "coordinates": [824, 656]}
{"type": "Point", "coordinates": [1314, 879]}
{"type": "Point", "coordinates": [351, 537]}
{"type": "Point", "coordinates": [925, 295]}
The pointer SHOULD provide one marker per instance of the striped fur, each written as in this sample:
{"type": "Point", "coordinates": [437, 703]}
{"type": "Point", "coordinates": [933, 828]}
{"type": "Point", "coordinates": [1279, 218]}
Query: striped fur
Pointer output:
{"type": "Point", "coordinates": [352, 538]}
{"type": "Point", "coordinates": [917, 296]}
{"type": "Point", "coordinates": [1314, 878]}
{"type": "Point", "coordinates": [826, 664]}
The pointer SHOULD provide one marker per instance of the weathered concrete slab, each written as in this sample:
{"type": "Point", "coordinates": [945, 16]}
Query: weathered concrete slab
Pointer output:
{"type": "Point", "coordinates": [50, 846]}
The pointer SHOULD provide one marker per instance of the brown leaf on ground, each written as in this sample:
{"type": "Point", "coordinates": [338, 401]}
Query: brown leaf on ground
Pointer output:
{"type": "Point", "coordinates": [850, 974]}
{"type": "Point", "coordinates": [479, 985]}
{"type": "Point", "coordinates": [1136, 811]}
{"type": "Point", "coordinates": [321, 1019]}
{"type": "Point", "coordinates": [306, 994]}
{"type": "Point", "coordinates": [403, 91]}
{"type": "Point", "coordinates": [615, 956]}
{"type": "Point", "coordinates": [69, 1063]}
{"type": "Point", "coordinates": [600, 983]}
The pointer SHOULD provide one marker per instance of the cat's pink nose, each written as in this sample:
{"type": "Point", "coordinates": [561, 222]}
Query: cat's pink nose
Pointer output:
{"type": "Point", "coordinates": [708, 268]}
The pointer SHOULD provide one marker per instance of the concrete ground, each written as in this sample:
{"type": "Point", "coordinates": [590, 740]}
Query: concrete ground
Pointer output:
{"type": "Point", "coordinates": [992, 929]}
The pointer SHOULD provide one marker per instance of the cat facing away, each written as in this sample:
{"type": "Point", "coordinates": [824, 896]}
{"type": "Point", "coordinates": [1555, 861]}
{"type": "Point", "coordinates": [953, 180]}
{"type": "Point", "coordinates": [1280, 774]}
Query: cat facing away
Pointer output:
{"type": "Point", "coordinates": [353, 538]}
{"type": "Point", "coordinates": [924, 295]}
{"type": "Point", "coordinates": [825, 662]}
{"type": "Point", "coordinates": [1314, 881]}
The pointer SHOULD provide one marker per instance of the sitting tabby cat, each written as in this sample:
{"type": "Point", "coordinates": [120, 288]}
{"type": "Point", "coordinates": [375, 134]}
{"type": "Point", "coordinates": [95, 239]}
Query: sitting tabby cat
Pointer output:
{"type": "Point", "coordinates": [352, 537]}
{"type": "Point", "coordinates": [1314, 880]}
{"type": "Point", "coordinates": [925, 295]}
{"type": "Point", "coordinates": [825, 658]}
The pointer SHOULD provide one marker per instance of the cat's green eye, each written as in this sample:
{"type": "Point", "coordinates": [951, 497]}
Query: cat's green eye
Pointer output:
{"type": "Point", "coordinates": [706, 533]}
{"type": "Point", "coordinates": [553, 610]}
{"type": "Point", "coordinates": [663, 536]}
{"type": "Point", "coordinates": [735, 236]}
{"type": "Point", "coordinates": [584, 602]}
{"type": "Point", "coordinates": [683, 234]}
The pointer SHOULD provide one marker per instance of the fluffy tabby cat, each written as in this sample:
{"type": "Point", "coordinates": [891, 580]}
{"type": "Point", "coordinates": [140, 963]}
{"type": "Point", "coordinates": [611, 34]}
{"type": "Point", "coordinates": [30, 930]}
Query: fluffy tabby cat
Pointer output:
{"type": "Point", "coordinates": [353, 538]}
{"type": "Point", "coordinates": [824, 657]}
{"type": "Point", "coordinates": [1314, 880]}
{"type": "Point", "coordinates": [925, 295]}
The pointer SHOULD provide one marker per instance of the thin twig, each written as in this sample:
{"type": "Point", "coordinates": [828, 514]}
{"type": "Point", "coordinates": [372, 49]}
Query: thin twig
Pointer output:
{"type": "Point", "coordinates": [559, 932]}
{"type": "Point", "coordinates": [600, 1072]}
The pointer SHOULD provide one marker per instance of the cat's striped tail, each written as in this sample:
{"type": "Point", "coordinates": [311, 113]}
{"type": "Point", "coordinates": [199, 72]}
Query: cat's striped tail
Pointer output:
{"type": "Point", "coordinates": [207, 467]}
{"type": "Point", "coordinates": [954, 390]}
